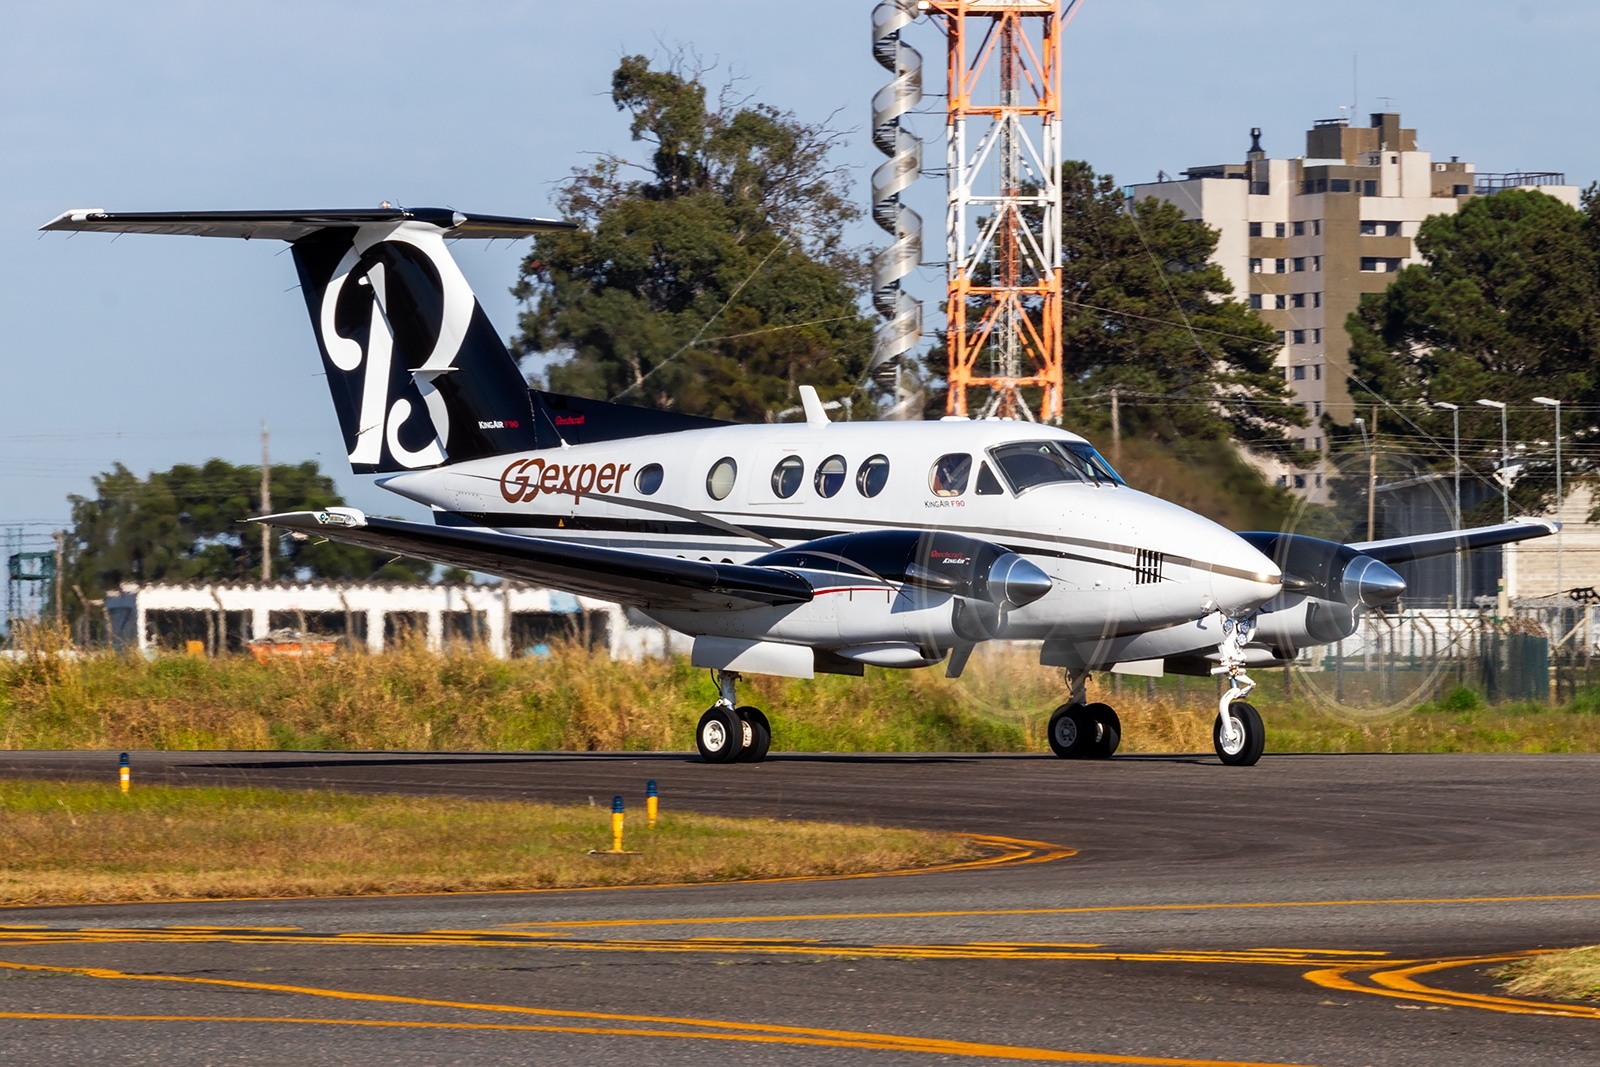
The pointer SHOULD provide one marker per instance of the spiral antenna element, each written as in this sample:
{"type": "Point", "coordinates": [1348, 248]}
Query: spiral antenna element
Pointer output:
{"type": "Point", "coordinates": [902, 313]}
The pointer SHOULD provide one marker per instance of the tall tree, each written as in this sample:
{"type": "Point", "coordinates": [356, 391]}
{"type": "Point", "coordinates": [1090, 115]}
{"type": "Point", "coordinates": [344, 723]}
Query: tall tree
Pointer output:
{"type": "Point", "coordinates": [1504, 306]}
{"type": "Point", "coordinates": [188, 524]}
{"type": "Point", "coordinates": [715, 285]}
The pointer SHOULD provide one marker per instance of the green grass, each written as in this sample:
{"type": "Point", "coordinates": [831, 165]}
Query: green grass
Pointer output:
{"type": "Point", "coordinates": [1571, 974]}
{"type": "Point", "coordinates": [88, 842]}
{"type": "Point", "coordinates": [576, 700]}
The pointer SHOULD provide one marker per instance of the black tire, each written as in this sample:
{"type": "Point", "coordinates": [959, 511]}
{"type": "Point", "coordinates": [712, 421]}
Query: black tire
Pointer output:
{"type": "Point", "coordinates": [1108, 736]}
{"type": "Point", "coordinates": [1253, 742]}
{"type": "Point", "coordinates": [720, 735]}
{"type": "Point", "coordinates": [759, 737]}
{"type": "Point", "coordinates": [1072, 731]}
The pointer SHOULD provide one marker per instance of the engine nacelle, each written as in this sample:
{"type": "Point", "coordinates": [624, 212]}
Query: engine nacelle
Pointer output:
{"type": "Point", "coordinates": [929, 559]}
{"type": "Point", "coordinates": [1329, 571]}
{"type": "Point", "coordinates": [1305, 621]}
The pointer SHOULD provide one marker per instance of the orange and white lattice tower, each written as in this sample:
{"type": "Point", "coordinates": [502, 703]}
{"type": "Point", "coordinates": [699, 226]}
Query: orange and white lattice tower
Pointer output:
{"type": "Point", "coordinates": [1003, 206]}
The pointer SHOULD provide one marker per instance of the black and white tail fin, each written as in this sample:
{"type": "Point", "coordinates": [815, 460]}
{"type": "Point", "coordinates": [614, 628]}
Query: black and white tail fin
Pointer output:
{"type": "Point", "coordinates": [418, 375]}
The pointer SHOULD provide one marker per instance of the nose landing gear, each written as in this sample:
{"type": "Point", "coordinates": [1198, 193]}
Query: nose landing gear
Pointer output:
{"type": "Point", "coordinates": [729, 734]}
{"type": "Point", "coordinates": [1238, 734]}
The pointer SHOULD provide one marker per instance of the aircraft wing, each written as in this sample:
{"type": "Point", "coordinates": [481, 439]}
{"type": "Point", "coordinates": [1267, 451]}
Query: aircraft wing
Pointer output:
{"type": "Point", "coordinates": [606, 573]}
{"type": "Point", "coordinates": [293, 225]}
{"type": "Point", "coordinates": [1426, 546]}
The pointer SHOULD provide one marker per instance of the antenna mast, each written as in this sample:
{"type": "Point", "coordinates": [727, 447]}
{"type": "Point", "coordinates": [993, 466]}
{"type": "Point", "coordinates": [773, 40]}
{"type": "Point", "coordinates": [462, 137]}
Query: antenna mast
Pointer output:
{"type": "Point", "coordinates": [1003, 247]}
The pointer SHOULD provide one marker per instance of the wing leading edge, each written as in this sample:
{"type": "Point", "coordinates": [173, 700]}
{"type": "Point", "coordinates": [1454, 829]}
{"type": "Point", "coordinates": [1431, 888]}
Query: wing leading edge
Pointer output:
{"type": "Point", "coordinates": [1426, 546]}
{"type": "Point", "coordinates": [607, 573]}
{"type": "Point", "coordinates": [293, 225]}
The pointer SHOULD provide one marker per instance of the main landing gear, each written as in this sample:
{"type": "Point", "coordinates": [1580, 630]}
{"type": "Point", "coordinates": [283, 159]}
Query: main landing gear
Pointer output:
{"type": "Point", "coordinates": [730, 734]}
{"type": "Point", "coordinates": [1238, 734]}
{"type": "Point", "coordinates": [1080, 730]}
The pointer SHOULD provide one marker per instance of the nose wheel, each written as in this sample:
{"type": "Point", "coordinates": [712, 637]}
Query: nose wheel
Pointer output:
{"type": "Point", "coordinates": [1241, 746]}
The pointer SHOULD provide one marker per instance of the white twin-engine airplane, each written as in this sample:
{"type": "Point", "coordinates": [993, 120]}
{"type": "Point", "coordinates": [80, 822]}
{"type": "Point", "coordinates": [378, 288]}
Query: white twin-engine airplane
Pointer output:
{"type": "Point", "coordinates": [791, 548]}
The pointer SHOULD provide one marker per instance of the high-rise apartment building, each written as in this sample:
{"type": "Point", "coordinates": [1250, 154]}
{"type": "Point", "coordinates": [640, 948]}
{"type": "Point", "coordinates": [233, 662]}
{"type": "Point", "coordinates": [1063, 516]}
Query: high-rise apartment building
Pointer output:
{"type": "Point", "coordinates": [1303, 239]}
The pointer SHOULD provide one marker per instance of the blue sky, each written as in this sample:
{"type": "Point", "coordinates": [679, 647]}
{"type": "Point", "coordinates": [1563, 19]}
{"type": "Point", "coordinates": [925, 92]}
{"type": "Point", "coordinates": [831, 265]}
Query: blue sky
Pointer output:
{"type": "Point", "coordinates": [156, 350]}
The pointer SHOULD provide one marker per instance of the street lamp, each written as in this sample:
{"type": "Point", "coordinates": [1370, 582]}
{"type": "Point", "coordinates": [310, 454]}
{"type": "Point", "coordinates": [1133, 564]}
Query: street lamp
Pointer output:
{"type": "Point", "coordinates": [1549, 403]}
{"type": "Point", "coordinates": [1505, 461]}
{"type": "Point", "coordinates": [1505, 501]}
{"type": "Point", "coordinates": [1455, 421]}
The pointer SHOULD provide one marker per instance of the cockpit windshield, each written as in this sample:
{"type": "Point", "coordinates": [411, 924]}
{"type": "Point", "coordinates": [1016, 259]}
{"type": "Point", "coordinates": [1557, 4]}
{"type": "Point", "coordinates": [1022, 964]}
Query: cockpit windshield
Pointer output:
{"type": "Point", "coordinates": [1030, 463]}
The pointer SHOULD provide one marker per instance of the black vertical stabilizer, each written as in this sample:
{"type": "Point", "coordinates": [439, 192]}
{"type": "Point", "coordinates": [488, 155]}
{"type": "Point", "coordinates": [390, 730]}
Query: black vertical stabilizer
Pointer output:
{"type": "Point", "coordinates": [418, 375]}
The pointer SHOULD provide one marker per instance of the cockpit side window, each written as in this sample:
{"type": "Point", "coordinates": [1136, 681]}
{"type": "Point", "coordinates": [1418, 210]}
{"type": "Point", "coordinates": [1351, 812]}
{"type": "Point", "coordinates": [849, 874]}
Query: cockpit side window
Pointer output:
{"type": "Point", "coordinates": [1098, 467]}
{"type": "Point", "coordinates": [988, 484]}
{"type": "Point", "coordinates": [949, 474]}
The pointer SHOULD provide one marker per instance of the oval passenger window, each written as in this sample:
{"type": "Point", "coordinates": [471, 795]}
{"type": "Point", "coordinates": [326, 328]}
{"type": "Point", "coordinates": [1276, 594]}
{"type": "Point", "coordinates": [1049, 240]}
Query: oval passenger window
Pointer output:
{"type": "Point", "coordinates": [830, 476]}
{"type": "Point", "coordinates": [949, 474]}
{"type": "Point", "coordinates": [719, 483]}
{"type": "Point", "coordinates": [787, 476]}
{"type": "Point", "coordinates": [872, 475]}
{"type": "Point", "coordinates": [648, 480]}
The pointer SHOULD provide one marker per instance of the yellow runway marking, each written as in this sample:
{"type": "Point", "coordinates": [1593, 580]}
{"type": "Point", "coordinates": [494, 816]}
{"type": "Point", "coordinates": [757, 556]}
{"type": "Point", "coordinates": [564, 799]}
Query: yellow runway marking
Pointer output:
{"type": "Point", "coordinates": [1401, 984]}
{"type": "Point", "coordinates": [1015, 851]}
{"type": "Point", "coordinates": [767, 946]}
{"type": "Point", "coordinates": [1083, 910]}
{"type": "Point", "coordinates": [687, 1028]}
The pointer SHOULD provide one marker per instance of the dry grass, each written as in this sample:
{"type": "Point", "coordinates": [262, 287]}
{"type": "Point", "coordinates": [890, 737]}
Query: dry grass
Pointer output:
{"type": "Point", "coordinates": [578, 700]}
{"type": "Point", "coordinates": [82, 842]}
{"type": "Point", "coordinates": [1573, 974]}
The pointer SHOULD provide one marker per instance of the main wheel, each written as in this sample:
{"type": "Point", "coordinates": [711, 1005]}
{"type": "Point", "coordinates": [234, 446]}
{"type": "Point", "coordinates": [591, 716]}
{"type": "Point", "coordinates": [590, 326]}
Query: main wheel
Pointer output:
{"type": "Point", "coordinates": [720, 735]}
{"type": "Point", "coordinates": [1073, 731]}
{"type": "Point", "coordinates": [1108, 732]}
{"type": "Point", "coordinates": [757, 735]}
{"type": "Point", "coordinates": [1244, 749]}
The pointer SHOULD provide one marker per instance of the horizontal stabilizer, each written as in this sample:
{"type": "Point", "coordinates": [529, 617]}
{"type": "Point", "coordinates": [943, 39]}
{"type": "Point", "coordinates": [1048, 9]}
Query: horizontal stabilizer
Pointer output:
{"type": "Point", "coordinates": [293, 225]}
{"type": "Point", "coordinates": [606, 573]}
{"type": "Point", "coordinates": [1426, 546]}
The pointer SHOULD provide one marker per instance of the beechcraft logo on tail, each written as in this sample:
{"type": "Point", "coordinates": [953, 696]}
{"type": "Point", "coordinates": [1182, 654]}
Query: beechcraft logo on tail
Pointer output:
{"type": "Point", "coordinates": [392, 319]}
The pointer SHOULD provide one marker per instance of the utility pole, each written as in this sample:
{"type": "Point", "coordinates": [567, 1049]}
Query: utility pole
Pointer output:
{"type": "Point", "coordinates": [266, 506]}
{"type": "Point", "coordinates": [1116, 429]}
{"type": "Point", "coordinates": [61, 539]}
{"type": "Point", "coordinates": [1372, 470]}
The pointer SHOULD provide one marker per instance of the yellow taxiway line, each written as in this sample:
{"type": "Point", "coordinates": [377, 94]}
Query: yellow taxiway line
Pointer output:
{"type": "Point", "coordinates": [650, 1025]}
{"type": "Point", "coordinates": [1081, 910]}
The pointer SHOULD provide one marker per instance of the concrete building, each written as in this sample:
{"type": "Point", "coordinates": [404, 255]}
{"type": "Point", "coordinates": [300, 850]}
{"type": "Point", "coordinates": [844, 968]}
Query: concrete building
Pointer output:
{"type": "Point", "coordinates": [507, 618]}
{"type": "Point", "coordinates": [1303, 239]}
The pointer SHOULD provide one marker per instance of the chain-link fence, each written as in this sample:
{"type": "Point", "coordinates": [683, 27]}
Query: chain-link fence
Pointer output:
{"type": "Point", "coordinates": [1541, 651]}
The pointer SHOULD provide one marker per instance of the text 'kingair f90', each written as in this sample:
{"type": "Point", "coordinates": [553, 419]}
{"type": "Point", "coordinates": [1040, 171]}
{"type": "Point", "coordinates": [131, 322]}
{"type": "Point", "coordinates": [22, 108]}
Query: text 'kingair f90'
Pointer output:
{"type": "Point", "coordinates": [785, 549]}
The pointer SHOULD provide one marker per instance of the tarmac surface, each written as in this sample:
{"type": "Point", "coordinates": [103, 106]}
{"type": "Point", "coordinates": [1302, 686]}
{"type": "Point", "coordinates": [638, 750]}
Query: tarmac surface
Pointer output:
{"type": "Point", "coordinates": [1332, 910]}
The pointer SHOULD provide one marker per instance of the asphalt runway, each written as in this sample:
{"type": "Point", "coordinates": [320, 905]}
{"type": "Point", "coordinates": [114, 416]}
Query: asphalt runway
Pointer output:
{"type": "Point", "coordinates": [1333, 910]}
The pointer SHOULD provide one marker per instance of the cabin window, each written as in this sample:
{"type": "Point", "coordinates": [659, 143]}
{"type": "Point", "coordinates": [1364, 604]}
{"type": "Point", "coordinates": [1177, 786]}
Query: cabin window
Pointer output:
{"type": "Point", "coordinates": [786, 476]}
{"type": "Point", "coordinates": [872, 475]}
{"type": "Point", "coordinates": [1031, 463]}
{"type": "Point", "coordinates": [831, 474]}
{"type": "Point", "coordinates": [719, 483]}
{"type": "Point", "coordinates": [988, 484]}
{"type": "Point", "coordinates": [949, 474]}
{"type": "Point", "coordinates": [648, 480]}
